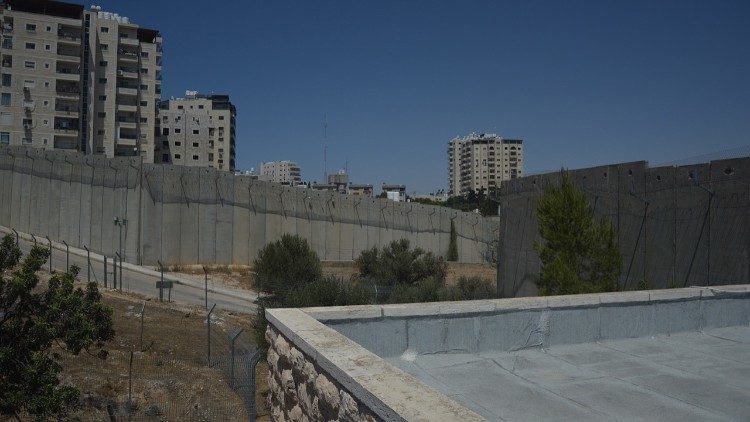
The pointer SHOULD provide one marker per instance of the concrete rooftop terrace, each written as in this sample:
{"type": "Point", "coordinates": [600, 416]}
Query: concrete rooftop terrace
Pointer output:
{"type": "Point", "coordinates": [678, 354]}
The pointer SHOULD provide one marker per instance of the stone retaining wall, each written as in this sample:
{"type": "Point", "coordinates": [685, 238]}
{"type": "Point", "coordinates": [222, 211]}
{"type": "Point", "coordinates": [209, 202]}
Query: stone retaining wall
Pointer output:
{"type": "Point", "coordinates": [301, 391]}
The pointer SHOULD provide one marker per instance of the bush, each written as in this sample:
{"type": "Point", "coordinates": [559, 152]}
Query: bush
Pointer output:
{"type": "Point", "coordinates": [397, 264]}
{"type": "Point", "coordinates": [329, 291]}
{"type": "Point", "coordinates": [286, 265]}
{"type": "Point", "coordinates": [473, 288]}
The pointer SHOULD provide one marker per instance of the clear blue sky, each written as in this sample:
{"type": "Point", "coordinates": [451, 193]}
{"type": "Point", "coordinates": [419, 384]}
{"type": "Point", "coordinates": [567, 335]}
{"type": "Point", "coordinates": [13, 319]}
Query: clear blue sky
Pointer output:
{"type": "Point", "coordinates": [582, 83]}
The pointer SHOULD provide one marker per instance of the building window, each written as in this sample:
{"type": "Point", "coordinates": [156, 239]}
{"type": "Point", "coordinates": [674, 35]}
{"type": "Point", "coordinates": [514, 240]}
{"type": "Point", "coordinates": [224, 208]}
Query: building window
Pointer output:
{"type": "Point", "coordinates": [49, 29]}
{"type": "Point", "coordinates": [46, 65]}
{"type": "Point", "coordinates": [165, 132]}
{"type": "Point", "coordinates": [45, 122]}
{"type": "Point", "coordinates": [5, 99]}
{"type": "Point", "coordinates": [103, 63]}
{"type": "Point", "coordinates": [144, 54]}
{"type": "Point", "coordinates": [30, 46]}
{"type": "Point", "coordinates": [144, 119]}
{"type": "Point", "coordinates": [105, 29]}
{"type": "Point", "coordinates": [6, 79]}
{"type": "Point", "coordinates": [221, 117]}
{"type": "Point", "coordinates": [221, 139]}
{"type": "Point", "coordinates": [46, 103]}
{"type": "Point", "coordinates": [102, 80]}
{"type": "Point", "coordinates": [26, 141]}
{"type": "Point", "coordinates": [195, 157]}
{"type": "Point", "coordinates": [144, 103]}
{"type": "Point", "coordinates": [210, 156]}
{"type": "Point", "coordinates": [47, 47]}
{"type": "Point", "coordinates": [29, 65]}
{"type": "Point", "coordinates": [46, 84]}
{"type": "Point", "coordinates": [200, 107]}
{"type": "Point", "coordinates": [144, 70]}
{"type": "Point", "coordinates": [30, 27]}
{"type": "Point", "coordinates": [177, 143]}
{"type": "Point", "coordinates": [195, 145]}
{"type": "Point", "coordinates": [179, 107]}
{"type": "Point", "coordinates": [177, 130]}
{"type": "Point", "coordinates": [4, 138]}
{"type": "Point", "coordinates": [177, 156]}
{"type": "Point", "coordinates": [165, 144]}
{"type": "Point", "coordinates": [144, 87]}
{"type": "Point", "coordinates": [196, 131]}
{"type": "Point", "coordinates": [101, 114]}
{"type": "Point", "coordinates": [105, 47]}
{"type": "Point", "coordinates": [102, 98]}
{"type": "Point", "coordinates": [29, 83]}
{"type": "Point", "coordinates": [100, 132]}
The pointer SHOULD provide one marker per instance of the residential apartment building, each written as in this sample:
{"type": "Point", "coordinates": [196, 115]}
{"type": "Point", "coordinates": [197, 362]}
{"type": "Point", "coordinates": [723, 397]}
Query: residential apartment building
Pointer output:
{"type": "Point", "coordinates": [482, 161]}
{"type": "Point", "coordinates": [394, 192]}
{"type": "Point", "coordinates": [284, 172]}
{"type": "Point", "coordinates": [198, 130]}
{"type": "Point", "coordinates": [360, 190]}
{"type": "Point", "coordinates": [75, 79]}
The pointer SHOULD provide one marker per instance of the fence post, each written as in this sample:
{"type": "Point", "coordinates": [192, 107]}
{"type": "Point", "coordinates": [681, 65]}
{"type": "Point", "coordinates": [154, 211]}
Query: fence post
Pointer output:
{"type": "Point", "coordinates": [161, 283]}
{"type": "Point", "coordinates": [67, 255]}
{"type": "Point", "coordinates": [251, 402]}
{"type": "Point", "coordinates": [105, 271]}
{"type": "Point", "coordinates": [14, 231]}
{"type": "Point", "coordinates": [119, 258]}
{"type": "Point", "coordinates": [88, 263]}
{"type": "Point", "coordinates": [205, 272]}
{"type": "Point", "coordinates": [231, 352]}
{"type": "Point", "coordinates": [50, 254]}
{"type": "Point", "coordinates": [208, 330]}
{"type": "Point", "coordinates": [130, 383]}
{"type": "Point", "coordinates": [114, 272]}
{"type": "Point", "coordinates": [143, 310]}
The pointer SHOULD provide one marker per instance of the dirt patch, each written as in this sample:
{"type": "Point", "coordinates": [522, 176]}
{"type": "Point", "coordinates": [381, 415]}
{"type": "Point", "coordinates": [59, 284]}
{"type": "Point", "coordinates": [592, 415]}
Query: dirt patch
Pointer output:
{"type": "Point", "coordinates": [170, 376]}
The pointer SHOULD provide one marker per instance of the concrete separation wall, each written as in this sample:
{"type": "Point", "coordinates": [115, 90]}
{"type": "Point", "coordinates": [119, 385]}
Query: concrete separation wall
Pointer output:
{"type": "Point", "coordinates": [676, 226]}
{"type": "Point", "coordinates": [185, 215]}
{"type": "Point", "coordinates": [350, 344]}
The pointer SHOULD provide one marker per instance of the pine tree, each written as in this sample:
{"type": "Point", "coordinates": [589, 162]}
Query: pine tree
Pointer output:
{"type": "Point", "coordinates": [578, 253]}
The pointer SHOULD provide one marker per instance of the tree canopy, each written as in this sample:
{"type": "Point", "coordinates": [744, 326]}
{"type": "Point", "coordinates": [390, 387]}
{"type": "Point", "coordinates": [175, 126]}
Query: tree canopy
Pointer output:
{"type": "Point", "coordinates": [39, 322]}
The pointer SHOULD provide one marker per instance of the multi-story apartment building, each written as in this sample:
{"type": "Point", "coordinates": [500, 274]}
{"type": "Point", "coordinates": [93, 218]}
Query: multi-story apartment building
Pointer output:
{"type": "Point", "coordinates": [482, 161]}
{"type": "Point", "coordinates": [75, 79]}
{"type": "Point", "coordinates": [198, 130]}
{"type": "Point", "coordinates": [284, 172]}
{"type": "Point", "coordinates": [357, 189]}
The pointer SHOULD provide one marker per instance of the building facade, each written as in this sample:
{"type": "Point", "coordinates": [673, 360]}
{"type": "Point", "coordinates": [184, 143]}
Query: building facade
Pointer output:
{"type": "Point", "coordinates": [481, 161]}
{"type": "Point", "coordinates": [75, 79]}
{"type": "Point", "coordinates": [198, 130]}
{"type": "Point", "coordinates": [394, 192]}
{"type": "Point", "coordinates": [284, 172]}
{"type": "Point", "coordinates": [358, 189]}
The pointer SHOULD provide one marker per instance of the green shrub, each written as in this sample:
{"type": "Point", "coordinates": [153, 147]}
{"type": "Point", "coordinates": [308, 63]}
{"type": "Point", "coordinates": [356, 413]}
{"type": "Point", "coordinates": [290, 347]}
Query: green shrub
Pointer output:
{"type": "Point", "coordinates": [427, 290]}
{"type": "Point", "coordinates": [330, 291]}
{"type": "Point", "coordinates": [397, 264]}
{"type": "Point", "coordinates": [473, 288]}
{"type": "Point", "coordinates": [286, 265]}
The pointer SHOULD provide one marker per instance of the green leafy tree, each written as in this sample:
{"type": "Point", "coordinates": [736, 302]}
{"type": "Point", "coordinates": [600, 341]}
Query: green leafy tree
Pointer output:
{"type": "Point", "coordinates": [37, 324]}
{"type": "Point", "coordinates": [453, 244]}
{"type": "Point", "coordinates": [285, 265]}
{"type": "Point", "coordinates": [578, 253]}
{"type": "Point", "coordinates": [397, 263]}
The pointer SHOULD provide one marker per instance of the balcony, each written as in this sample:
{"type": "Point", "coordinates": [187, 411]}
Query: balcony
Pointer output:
{"type": "Point", "coordinates": [126, 123]}
{"type": "Point", "coordinates": [68, 92]}
{"type": "Point", "coordinates": [127, 73]}
{"type": "Point", "coordinates": [129, 41]}
{"type": "Point", "coordinates": [68, 38]}
{"type": "Point", "coordinates": [68, 55]}
{"type": "Point", "coordinates": [129, 108]}
{"type": "Point", "coordinates": [127, 56]}
{"type": "Point", "coordinates": [7, 61]}
{"type": "Point", "coordinates": [66, 141]}
{"type": "Point", "coordinates": [64, 128]}
{"type": "Point", "coordinates": [131, 90]}
{"type": "Point", "coordinates": [66, 110]}
{"type": "Point", "coordinates": [126, 138]}
{"type": "Point", "coordinates": [68, 74]}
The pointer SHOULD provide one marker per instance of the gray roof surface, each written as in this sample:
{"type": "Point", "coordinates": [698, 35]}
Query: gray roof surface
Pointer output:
{"type": "Point", "coordinates": [687, 376]}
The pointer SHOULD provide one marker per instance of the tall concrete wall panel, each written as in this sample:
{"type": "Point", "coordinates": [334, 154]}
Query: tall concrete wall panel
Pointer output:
{"type": "Point", "coordinates": [692, 216]}
{"type": "Point", "coordinates": [182, 215]}
{"type": "Point", "coordinates": [729, 232]}
{"type": "Point", "coordinates": [660, 228]}
{"type": "Point", "coordinates": [633, 212]}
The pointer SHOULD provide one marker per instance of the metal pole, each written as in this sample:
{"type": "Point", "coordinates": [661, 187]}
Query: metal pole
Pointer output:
{"type": "Point", "coordinates": [105, 271]}
{"type": "Point", "coordinates": [205, 272]}
{"type": "Point", "coordinates": [119, 258]}
{"type": "Point", "coordinates": [231, 351]}
{"type": "Point", "coordinates": [130, 382]}
{"type": "Point", "coordinates": [88, 263]}
{"type": "Point", "coordinates": [161, 284]}
{"type": "Point", "coordinates": [67, 255]}
{"type": "Point", "coordinates": [50, 254]}
{"type": "Point", "coordinates": [143, 310]}
{"type": "Point", "coordinates": [253, 363]}
{"type": "Point", "coordinates": [208, 330]}
{"type": "Point", "coordinates": [14, 231]}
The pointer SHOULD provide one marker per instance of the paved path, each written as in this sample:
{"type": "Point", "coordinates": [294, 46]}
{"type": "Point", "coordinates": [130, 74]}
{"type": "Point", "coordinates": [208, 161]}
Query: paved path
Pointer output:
{"type": "Point", "coordinates": [139, 279]}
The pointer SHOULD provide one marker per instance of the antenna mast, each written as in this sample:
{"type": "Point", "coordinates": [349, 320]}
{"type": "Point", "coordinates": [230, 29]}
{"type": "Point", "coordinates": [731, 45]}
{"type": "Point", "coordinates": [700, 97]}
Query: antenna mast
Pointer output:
{"type": "Point", "coordinates": [325, 148]}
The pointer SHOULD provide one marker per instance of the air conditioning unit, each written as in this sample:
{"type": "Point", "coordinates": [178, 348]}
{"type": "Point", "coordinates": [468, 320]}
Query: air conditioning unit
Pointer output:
{"type": "Point", "coordinates": [26, 89]}
{"type": "Point", "coordinates": [120, 73]}
{"type": "Point", "coordinates": [27, 126]}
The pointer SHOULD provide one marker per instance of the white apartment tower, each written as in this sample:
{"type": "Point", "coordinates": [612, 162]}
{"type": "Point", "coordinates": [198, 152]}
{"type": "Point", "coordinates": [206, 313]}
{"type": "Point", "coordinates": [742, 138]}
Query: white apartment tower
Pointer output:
{"type": "Point", "coordinates": [198, 130]}
{"type": "Point", "coordinates": [482, 161]}
{"type": "Point", "coordinates": [284, 172]}
{"type": "Point", "coordinates": [75, 79]}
